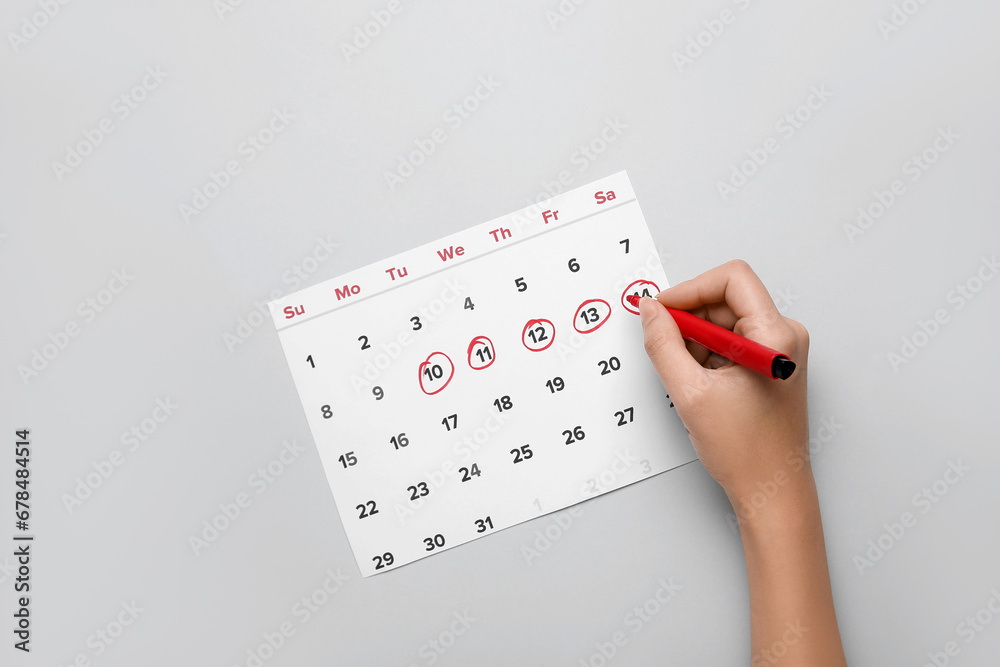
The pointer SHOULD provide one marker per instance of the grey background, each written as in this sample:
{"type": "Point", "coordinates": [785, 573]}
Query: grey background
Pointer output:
{"type": "Point", "coordinates": [165, 335]}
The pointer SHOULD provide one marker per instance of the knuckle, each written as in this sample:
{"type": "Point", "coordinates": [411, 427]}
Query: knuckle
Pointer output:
{"type": "Point", "coordinates": [800, 331]}
{"type": "Point", "coordinates": [739, 266]}
{"type": "Point", "coordinates": [790, 337]}
{"type": "Point", "coordinates": [785, 338]}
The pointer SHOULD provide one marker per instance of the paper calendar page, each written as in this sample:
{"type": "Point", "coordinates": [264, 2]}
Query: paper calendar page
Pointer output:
{"type": "Point", "coordinates": [485, 379]}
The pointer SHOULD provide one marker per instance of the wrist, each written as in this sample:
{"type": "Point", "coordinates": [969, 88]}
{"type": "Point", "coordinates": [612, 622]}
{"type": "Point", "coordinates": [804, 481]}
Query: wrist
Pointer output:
{"type": "Point", "coordinates": [786, 501]}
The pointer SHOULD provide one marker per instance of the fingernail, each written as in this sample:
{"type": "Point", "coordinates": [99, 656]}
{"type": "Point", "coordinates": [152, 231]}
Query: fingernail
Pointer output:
{"type": "Point", "coordinates": [647, 310]}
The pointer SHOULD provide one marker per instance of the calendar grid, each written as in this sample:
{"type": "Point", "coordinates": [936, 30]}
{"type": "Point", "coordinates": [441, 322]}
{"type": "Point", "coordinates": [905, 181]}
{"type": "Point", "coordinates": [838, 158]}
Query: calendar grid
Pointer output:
{"type": "Point", "coordinates": [426, 442]}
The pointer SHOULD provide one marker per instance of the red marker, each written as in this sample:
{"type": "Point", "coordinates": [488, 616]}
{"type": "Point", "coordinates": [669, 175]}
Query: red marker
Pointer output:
{"type": "Point", "coordinates": [730, 345]}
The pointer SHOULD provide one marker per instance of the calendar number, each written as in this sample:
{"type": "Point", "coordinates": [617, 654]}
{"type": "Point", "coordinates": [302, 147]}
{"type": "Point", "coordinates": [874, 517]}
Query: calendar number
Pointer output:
{"type": "Point", "coordinates": [367, 509]}
{"type": "Point", "coordinates": [435, 373]}
{"type": "Point", "coordinates": [399, 441]}
{"type": "Point", "coordinates": [521, 285]}
{"type": "Point", "coordinates": [311, 362]}
{"type": "Point", "coordinates": [419, 490]}
{"type": "Point", "coordinates": [555, 384]}
{"type": "Point", "coordinates": [591, 315]}
{"type": "Point", "coordinates": [503, 403]}
{"type": "Point", "coordinates": [417, 326]}
{"type": "Point", "coordinates": [483, 524]}
{"type": "Point", "coordinates": [385, 560]}
{"type": "Point", "coordinates": [364, 342]}
{"type": "Point", "coordinates": [348, 459]}
{"type": "Point", "coordinates": [574, 435]}
{"type": "Point", "coordinates": [639, 288]}
{"type": "Point", "coordinates": [326, 411]}
{"type": "Point", "coordinates": [434, 542]}
{"type": "Point", "coordinates": [378, 393]}
{"type": "Point", "coordinates": [469, 473]}
{"type": "Point", "coordinates": [624, 242]}
{"type": "Point", "coordinates": [450, 422]}
{"type": "Point", "coordinates": [538, 335]}
{"type": "Point", "coordinates": [523, 453]}
{"type": "Point", "coordinates": [624, 416]}
{"type": "Point", "coordinates": [468, 303]}
{"type": "Point", "coordinates": [574, 265]}
{"type": "Point", "coordinates": [480, 353]}
{"type": "Point", "coordinates": [609, 366]}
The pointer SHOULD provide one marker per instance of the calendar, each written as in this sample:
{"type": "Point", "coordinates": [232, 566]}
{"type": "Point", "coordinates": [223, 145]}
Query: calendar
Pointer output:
{"type": "Point", "coordinates": [484, 379]}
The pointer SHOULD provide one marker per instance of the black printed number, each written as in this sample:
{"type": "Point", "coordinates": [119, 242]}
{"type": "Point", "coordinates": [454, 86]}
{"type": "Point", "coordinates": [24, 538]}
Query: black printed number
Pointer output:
{"type": "Point", "coordinates": [624, 242]}
{"type": "Point", "coordinates": [521, 285]}
{"type": "Point", "coordinates": [522, 454]}
{"type": "Point", "coordinates": [419, 490]}
{"type": "Point", "coordinates": [590, 316]}
{"type": "Point", "coordinates": [469, 473]}
{"type": "Point", "coordinates": [450, 422]}
{"type": "Point", "coordinates": [385, 560]}
{"type": "Point", "coordinates": [607, 367]}
{"type": "Point", "coordinates": [367, 509]}
{"type": "Point", "coordinates": [378, 393]}
{"type": "Point", "coordinates": [327, 412]}
{"type": "Point", "coordinates": [574, 435]}
{"type": "Point", "coordinates": [364, 342]}
{"type": "Point", "coordinates": [416, 323]}
{"type": "Point", "coordinates": [468, 303]}
{"type": "Point", "coordinates": [503, 403]}
{"type": "Point", "coordinates": [434, 542]}
{"type": "Point", "coordinates": [348, 459]}
{"type": "Point", "coordinates": [483, 524]}
{"type": "Point", "coordinates": [310, 360]}
{"type": "Point", "coordinates": [399, 441]}
{"type": "Point", "coordinates": [555, 384]}
{"type": "Point", "coordinates": [538, 334]}
{"type": "Point", "coordinates": [573, 265]}
{"type": "Point", "coordinates": [624, 416]}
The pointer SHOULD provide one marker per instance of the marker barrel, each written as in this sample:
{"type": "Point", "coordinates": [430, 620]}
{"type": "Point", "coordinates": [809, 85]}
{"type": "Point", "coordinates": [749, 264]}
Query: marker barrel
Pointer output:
{"type": "Point", "coordinates": [730, 345]}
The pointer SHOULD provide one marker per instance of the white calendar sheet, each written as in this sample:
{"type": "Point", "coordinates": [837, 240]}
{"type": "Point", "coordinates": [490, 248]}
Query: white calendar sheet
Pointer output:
{"type": "Point", "coordinates": [485, 379]}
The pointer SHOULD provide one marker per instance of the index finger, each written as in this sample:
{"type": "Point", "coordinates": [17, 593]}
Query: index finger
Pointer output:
{"type": "Point", "coordinates": [734, 283]}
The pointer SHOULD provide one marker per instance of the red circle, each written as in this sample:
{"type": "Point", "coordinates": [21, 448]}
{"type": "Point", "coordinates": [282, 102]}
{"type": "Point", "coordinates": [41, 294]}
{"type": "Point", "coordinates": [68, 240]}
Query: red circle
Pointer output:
{"type": "Point", "coordinates": [599, 324]}
{"type": "Point", "coordinates": [425, 364]}
{"type": "Point", "coordinates": [626, 304]}
{"type": "Point", "coordinates": [479, 340]}
{"type": "Point", "coordinates": [532, 323]}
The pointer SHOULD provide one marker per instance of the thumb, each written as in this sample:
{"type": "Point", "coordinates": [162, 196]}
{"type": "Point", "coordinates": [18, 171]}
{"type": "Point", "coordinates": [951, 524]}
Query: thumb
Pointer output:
{"type": "Point", "coordinates": [665, 346]}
